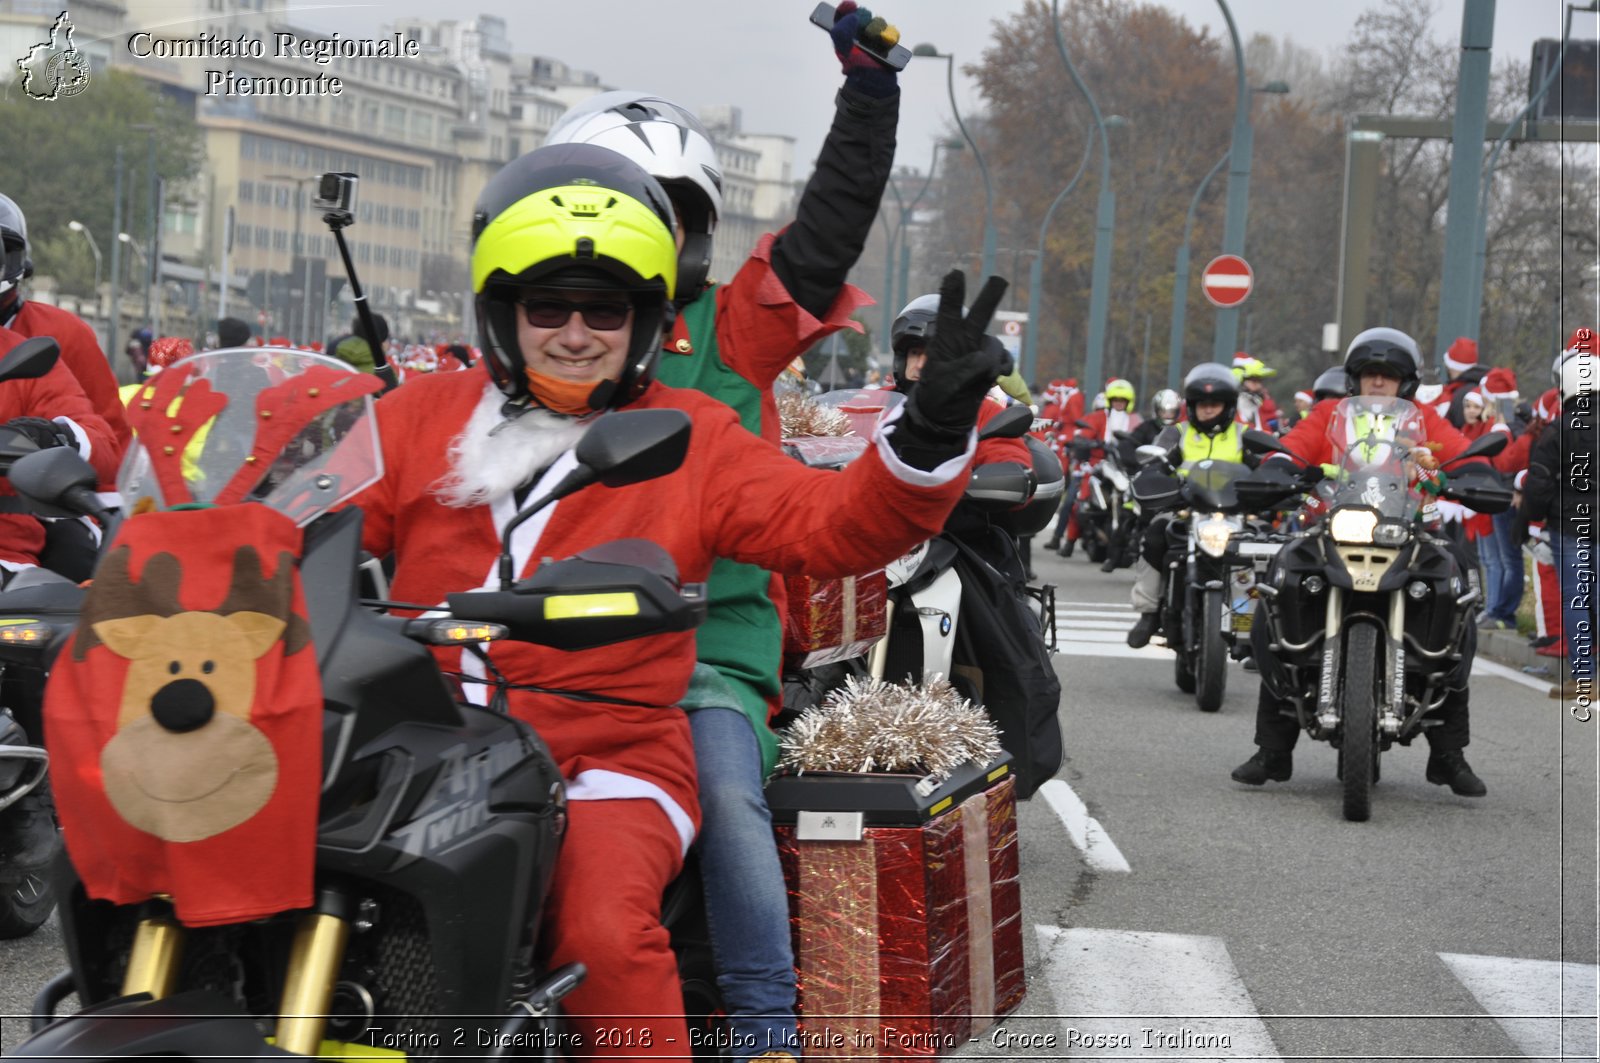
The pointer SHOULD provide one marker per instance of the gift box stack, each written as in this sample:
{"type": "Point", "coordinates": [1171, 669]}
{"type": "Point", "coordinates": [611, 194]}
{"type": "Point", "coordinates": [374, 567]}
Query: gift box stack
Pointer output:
{"type": "Point", "coordinates": [834, 619]}
{"type": "Point", "coordinates": [908, 929]}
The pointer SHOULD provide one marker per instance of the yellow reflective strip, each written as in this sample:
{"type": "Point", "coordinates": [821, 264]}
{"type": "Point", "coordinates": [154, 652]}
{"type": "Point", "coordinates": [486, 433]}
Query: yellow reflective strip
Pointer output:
{"type": "Point", "coordinates": [993, 775]}
{"type": "Point", "coordinates": [577, 606]}
{"type": "Point", "coordinates": [940, 807]}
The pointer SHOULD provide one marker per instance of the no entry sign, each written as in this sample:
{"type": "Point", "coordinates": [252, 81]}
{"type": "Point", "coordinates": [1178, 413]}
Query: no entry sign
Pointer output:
{"type": "Point", "coordinates": [1227, 280]}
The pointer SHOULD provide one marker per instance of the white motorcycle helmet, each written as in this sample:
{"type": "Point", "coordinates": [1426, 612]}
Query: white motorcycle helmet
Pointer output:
{"type": "Point", "coordinates": [1580, 375]}
{"type": "Point", "coordinates": [673, 147]}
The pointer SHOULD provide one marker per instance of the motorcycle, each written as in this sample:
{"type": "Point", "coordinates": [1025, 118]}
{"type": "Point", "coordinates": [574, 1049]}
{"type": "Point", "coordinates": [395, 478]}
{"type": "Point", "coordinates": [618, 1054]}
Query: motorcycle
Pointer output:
{"type": "Point", "coordinates": [1104, 517]}
{"type": "Point", "coordinates": [28, 838]}
{"type": "Point", "coordinates": [437, 822]}
{"type": "Point", "coordinates": [1216, 556]}
{"type": "Point", "coordinates": [1365, 614]}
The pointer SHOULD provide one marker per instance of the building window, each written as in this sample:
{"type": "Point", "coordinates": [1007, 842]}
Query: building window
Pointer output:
{"type": "Point", "coordinates": [247, 147]}
{"type": "Point", "coordinates": [280, 240]}
{"type": "Point", "coordinates": [247, 192]}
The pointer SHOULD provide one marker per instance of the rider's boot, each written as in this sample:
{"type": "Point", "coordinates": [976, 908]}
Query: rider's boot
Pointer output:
{"type": "Point", "coordinates": [1450, 768]}
{"type": "Point", "coordinates": [1140, 633]}
{"type": "Point", "coordinates": [1273, 764]}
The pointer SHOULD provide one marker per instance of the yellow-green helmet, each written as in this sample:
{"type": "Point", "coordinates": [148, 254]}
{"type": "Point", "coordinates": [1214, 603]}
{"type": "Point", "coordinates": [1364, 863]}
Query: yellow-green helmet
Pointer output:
{"type": "Point", "coordinates": [1118, 388]}
{"type": "Point", "coordinates": [573, 216]}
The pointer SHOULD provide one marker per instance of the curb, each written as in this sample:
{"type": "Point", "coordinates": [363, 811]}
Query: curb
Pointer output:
{"type": "Point", "coordinates": [1511, 649]}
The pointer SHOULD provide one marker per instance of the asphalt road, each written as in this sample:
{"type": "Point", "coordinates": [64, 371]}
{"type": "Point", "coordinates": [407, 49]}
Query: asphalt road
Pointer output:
{"type": "Point", "coordinates": [1171, 913]}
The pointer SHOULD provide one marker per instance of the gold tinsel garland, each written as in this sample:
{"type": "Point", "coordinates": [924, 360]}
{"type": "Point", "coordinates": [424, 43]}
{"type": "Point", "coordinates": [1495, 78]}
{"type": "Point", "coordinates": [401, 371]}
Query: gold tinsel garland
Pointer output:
{"type": "Point", "coordinates": [800, 416]}
{"type": "Point", "coordinates": [870, 725]}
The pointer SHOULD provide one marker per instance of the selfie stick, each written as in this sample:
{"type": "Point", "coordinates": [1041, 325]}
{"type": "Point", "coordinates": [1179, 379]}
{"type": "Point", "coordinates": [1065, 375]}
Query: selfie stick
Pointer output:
{"type": "Point", "coordinates": [380, 363]}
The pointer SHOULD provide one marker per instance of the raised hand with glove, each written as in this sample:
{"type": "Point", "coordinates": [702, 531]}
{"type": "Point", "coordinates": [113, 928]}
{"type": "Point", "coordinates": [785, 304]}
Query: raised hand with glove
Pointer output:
{"type": "Point", "coordinates": [962, 365]}
{"type": "Point", "coordinates": [854, 26]}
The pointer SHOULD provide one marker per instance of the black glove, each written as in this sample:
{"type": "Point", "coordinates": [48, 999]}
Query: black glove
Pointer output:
{"type": "Point", "coordinates": [45, 434]}
{"type": "Point", "coordinates": [963, 364]}
{"type": "Point", "coordinates": [861, 71]}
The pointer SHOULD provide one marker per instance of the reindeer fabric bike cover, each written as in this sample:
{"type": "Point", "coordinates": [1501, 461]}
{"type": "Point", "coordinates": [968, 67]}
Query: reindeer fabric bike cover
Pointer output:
{"type": "Point", "coordinates": [184, 719]}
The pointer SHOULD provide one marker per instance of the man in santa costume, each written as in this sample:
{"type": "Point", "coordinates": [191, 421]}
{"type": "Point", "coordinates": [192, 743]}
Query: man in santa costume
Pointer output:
{"type": "Point", "coordinates": [574, 266]}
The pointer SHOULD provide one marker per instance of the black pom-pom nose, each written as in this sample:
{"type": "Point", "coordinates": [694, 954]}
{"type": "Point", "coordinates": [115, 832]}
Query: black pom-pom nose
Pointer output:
{"type": "Point", "coordinates": [183, 705]}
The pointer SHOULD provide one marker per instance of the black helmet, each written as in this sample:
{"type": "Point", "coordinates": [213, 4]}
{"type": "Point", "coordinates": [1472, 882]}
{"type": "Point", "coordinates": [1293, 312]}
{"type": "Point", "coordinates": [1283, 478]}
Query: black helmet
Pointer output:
{"type": "Point", "coordinates": [1330, 384]}
{"type": "Point", "coordinates": [1386, 348]}
{"type": "Point", "coordinates": [913, 327]}
{"type": "Point", "coordinates": [573, 216]}
{"type": "Point", "coordinates": [1211, 382]}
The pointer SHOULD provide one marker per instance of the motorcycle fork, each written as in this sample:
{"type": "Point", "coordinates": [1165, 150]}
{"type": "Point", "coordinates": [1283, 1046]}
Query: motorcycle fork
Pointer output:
{"type": "Point", "coordinates": [313, 971]}
{"type": "Point", "coordinates": [878, 660]}
{"type": "Point", "coordinates": [155, 958]}
{"type": "Point", "coordinates": [1393, 717]}
{"type": "Point", "coordinates": [1333, 639]}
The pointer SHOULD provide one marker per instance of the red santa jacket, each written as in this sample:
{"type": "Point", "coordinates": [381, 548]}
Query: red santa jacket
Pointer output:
{"type": "Point", "coordinates": [81, 352]}
{"type": "Point", "coordinates": [720, 502]}
{"type": "Point", "coordinates": [56, 396]}
{"type": "Point", "coordinates": [1309, 442]}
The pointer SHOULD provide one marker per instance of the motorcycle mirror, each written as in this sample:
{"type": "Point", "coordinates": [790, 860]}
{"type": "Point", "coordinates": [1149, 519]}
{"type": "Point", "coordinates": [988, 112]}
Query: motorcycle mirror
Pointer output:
{"type": "Point", "coordinates": [1485, 446]}
{"type": "Point", "coordinates": [57, 481]}
{"type": "Point", "coordinates": [1151, 453]}
{"type": "Point", "coordinates": [1264, 442]}
{"type": "Point", "coordinates": [622, 447]}
{"type": "Point", "coordinates": [1484, 496]}
{"type": "Point", "coordinates": [1013, 422]}
{"type": "Point", "coordinates": [30, 359]}
{"type": "Point", "coordinates": [1122, 435]}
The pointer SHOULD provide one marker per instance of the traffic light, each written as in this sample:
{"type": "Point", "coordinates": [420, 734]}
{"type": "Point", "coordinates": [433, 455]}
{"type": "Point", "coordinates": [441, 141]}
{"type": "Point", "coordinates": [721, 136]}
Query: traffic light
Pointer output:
{"type": "Point", "coordinates": [1573, 95]}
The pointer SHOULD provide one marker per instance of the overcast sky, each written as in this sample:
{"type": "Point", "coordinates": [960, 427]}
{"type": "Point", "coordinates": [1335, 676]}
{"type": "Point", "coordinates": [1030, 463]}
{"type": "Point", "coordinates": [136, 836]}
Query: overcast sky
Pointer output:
{"type": "Point", "coordinates": [765, 57]}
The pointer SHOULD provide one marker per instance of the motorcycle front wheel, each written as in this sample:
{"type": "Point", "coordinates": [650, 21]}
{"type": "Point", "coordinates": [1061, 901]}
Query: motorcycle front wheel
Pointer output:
{"type": "Point", "coordinates": [1211, 673]}
{"type": "Point", "coordinates": [29, 842]}
{"type": "Point", "coordinates": [1358, 746]}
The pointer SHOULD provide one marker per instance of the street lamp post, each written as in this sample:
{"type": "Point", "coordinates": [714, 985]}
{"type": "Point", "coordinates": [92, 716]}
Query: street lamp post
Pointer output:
{"type": "Point", "coordinates": [989, 238]}
{"type": "Point", "coordinates": [1240, 147]}
{"type": "Point", "coordinates": [296, 247]}
{"type": "Point", "coordinates": [134, 246]}
{"type": "Point", "coordinates": [78, 227]}
{"type": "Point", "coordinates": [1474, 305]}
{"type": "Point", "coordinates": [899, 234]}
{"type": "Point", "coordinates": [1105, 223]}
{"type": "Point", "coordinates": [1180, 269]}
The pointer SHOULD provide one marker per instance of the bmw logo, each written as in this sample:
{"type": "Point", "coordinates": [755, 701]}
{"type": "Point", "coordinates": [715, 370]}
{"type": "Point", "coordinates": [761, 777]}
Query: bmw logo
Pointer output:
{"type": "Point", "coordinates": [944, 626]}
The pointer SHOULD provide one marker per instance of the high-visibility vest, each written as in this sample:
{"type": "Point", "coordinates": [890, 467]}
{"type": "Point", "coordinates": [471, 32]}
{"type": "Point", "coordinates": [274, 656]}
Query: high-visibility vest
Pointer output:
{"type": "Point", "coordinates": [1227, 445]}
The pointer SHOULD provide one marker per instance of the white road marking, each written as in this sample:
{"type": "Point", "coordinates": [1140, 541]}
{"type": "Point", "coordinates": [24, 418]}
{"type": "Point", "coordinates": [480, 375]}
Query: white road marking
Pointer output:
{"type": "Point", "coordinates": [1480, 666]}
{"type": "Point", "coordinates": [1104, 614]}
{"type": "Point", "coordinates": [1093, 625]}
{"type": "Point", "coordinates": [1080, 648]}
{"type": "Point", "coordinates": [1134, 995]}
{"type": "Point", "coordinates": [1060, 603]}
{"type": "Point", "coordinates": [1099, 851]}
{"type": "Point", "coordinates": [1557, 1000]}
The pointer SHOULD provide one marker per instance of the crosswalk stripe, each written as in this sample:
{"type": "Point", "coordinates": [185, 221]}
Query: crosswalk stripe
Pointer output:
{"type": "Point", "coordinates": [1099, 851]}
{"type": "Point", "coordinates": [1484, 667]}
{"type": "Point", "coordinates": [1060, 603]}
{"type": "Point", "coordinates": [1137, 995]}
{"type": "Point", "coordinates": [1068, 628]}
{"type": "Point", "coordinates": [1082, 648]}
{"type": "Point", "coordinates": [1119, 636]}
{"type": "Point", "coordinates": [1069, 615]}
{"type": "Point", "coordinates": [1547, 1008]}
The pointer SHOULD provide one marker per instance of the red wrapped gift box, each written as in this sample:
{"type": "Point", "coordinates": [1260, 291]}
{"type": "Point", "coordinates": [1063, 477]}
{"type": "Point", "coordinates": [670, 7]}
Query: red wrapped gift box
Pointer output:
{"type": "Point", "coordinates": [835, 619]}
{"type": "Point", "coordinates": [909, 941]}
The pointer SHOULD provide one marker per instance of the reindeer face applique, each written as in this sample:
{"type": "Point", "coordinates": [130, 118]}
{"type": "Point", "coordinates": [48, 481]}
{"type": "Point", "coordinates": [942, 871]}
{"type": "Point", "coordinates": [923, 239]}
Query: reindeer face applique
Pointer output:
{"type": "Point", "coordinates": [186, 763]}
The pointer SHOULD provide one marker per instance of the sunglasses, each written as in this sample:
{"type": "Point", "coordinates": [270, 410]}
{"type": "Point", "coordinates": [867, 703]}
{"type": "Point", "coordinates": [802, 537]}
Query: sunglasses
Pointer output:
{"type": "Point", "coordinates": [555, 313]}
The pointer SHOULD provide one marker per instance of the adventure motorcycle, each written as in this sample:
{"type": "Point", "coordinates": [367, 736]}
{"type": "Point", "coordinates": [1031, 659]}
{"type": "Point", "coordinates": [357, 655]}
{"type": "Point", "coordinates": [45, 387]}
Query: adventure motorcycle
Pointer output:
{"type": "Point", "coordinates": [438, 823]}
{"type": "Point", "coordinates": [1366, 614]}
{"type": "Point", "coordinates": [1105, 518]}
{"type": "Point", "coordinates": [1216, 554]}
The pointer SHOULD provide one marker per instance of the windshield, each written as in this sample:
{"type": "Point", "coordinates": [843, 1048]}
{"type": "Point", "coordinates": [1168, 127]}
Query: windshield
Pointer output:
{"type": "Point", "coordinates": [289, 429]}
{"type": "Point", "coordinates": [1210, 482]}
{"type": "Point", "coordinates": [864, 406]}
{"type": "Point", "coordinates": [1379, 452]}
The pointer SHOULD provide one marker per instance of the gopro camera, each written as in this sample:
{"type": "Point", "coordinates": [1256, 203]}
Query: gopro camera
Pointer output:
{"type": "Point", "coordinates": [336, 198]}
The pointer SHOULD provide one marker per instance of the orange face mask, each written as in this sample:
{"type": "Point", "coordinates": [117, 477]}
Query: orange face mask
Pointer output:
{"type": "Point", "coordinates": [561, 396]}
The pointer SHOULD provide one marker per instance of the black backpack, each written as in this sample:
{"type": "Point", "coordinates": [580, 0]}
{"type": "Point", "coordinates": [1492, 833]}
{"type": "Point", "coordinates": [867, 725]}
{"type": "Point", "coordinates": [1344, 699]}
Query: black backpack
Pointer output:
{"type": "Point", "coordinates": [1001, 657]}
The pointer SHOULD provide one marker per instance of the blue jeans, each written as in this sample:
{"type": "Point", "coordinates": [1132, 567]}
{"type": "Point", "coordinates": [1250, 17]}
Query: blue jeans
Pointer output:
{"type": "Point", "coordinates": [1502, 570]}
{"type": "Point", "coordinates": [1574, 559]}
{"type": "Point", "coordinates": [747, 904]}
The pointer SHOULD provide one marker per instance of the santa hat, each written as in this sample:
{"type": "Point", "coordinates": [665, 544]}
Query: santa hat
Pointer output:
{"type": "Point", "coordinates": [278, 341]}
{"type": "Point", "coordinates": [1580, 342]}
{"type": "Point", "coordinates": [1500, 384]}
{"type": "Point", "coordinates": [1520, 479]}
{"type": "Point", "coordinates": [1239, 359]}
{"type": "Point", "coordinates": [1071, 382]}
{"type": "Point", "coordinates": [1549, 405]}
{"type": "Point", "coordinates": [1306, 395]}
{"type": "Point", "coordinates": [1462, 355]}
{"type": "Point", "coordinates": [1472, 396]}
{"type": "Point", "coordinates": [165, 351]}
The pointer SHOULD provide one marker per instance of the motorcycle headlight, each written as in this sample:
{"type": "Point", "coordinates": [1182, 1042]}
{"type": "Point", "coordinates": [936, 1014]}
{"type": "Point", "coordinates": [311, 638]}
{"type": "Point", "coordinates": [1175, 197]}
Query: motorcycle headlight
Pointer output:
{"type": "Point", "coordinates": [1352, 525]}
{"type": "Point", "coordinates": [1391, 533]}
{"type": "Point", "coordinates": [1212, 535]}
